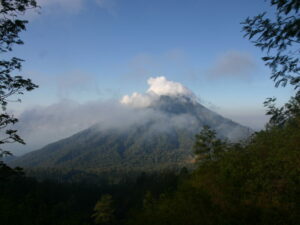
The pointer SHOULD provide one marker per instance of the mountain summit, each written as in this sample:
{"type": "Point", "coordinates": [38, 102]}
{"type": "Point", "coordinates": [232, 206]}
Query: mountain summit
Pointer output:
{"type": "Point", "coordinates": [160, 135]}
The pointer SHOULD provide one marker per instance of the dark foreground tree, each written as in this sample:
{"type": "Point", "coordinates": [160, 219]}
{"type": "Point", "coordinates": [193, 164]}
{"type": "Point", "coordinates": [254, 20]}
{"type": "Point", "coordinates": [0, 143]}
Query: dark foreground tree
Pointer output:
{"type": "Point", "coordinates": [283, 115]}
{"type": "Point", "coordinates": [256, 183]}
{"type": "Point", "coordinates": [279, 36]}
{"type": "Point", "coordinates": [11, 83]}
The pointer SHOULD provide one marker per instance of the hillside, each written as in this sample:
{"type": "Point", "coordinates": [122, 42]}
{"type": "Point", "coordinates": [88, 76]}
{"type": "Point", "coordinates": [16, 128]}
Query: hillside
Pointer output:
{"type": "Point", "coordinates": [162, 139]}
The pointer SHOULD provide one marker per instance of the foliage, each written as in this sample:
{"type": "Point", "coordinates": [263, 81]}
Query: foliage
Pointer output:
{"type": "Point", "coordinates": [25, 201]}
{"type": "Point", "coordinates": [207, 146]}
{"type": "Point", "coordinates": [7, 172]}
{"type": "Point", "coordinates": [11, 84]}
{"type": "Point", "coordinates": [104, 211]}
{"type": "Point", "coordinates": [257, 183]}
{"type": "Point", "coordinates": [285, 114]}
{"type": "Point", "coordinates": [279, 36]}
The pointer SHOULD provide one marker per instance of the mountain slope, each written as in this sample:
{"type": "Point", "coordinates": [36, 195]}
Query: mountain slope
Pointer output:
{"type": "Point", "coordinates": [163, 138]}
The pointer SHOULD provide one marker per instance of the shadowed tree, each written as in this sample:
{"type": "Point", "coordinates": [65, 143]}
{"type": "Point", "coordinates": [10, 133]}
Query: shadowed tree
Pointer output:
{"type": "Point", "coordinates": [282, 115]}
{"type": "Point", "coordinates": [11, 83]}
{"type": "Point", "coordinates": [279, 36]}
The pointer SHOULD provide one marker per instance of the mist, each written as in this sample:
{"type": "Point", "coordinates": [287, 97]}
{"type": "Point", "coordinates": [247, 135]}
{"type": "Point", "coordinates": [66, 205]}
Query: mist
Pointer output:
{"type": "Point", "coordinates": [41, 125]}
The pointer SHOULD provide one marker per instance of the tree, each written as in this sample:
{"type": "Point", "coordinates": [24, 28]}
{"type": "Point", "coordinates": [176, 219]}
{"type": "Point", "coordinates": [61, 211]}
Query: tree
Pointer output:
{"type": "Point", "coordinates": [103, 211]}
{"type": "Point", "coordinates": [11, 83]}
{"type": "Point", "coordinates": [279, 36]}
{"type": "Point", "coordinates": [283, 115]}
{"type": "Point", "coordinates": [207, 146]}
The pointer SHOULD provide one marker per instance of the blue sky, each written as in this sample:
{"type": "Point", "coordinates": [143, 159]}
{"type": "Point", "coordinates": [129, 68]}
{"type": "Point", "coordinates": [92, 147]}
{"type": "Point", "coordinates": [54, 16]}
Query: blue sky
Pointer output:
{"type": "Point", "coordinates": [88, 50]}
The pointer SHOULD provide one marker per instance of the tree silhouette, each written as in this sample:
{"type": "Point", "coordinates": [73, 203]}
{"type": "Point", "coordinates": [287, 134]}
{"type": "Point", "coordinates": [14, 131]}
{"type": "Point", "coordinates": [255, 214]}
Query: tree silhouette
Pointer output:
{"type": "Point", "coordinates": [11, 83]}
{"type": "Point", "coordinates": [279, 36]}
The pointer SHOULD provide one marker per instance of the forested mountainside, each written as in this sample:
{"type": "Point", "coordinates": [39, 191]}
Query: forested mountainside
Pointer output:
{"type": "Point", "coordinates": [162, 139]}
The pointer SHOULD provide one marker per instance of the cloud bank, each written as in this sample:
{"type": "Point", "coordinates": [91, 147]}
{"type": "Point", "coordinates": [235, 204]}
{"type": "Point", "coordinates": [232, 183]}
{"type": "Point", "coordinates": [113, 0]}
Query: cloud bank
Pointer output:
{"type": "Point", "coordinates": [41, 125]}
{"type": "Point", "coordinates": [158, 86]}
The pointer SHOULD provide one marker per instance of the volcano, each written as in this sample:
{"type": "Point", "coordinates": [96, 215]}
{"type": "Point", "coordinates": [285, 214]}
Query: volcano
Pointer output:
{"type": "Point", "coordinates": [162, 137]}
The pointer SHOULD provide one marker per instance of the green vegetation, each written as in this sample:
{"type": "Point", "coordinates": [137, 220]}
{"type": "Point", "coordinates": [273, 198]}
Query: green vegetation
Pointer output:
{"type": "Point", "coordinates": [253, 184]}
{"type": "Point", "coordinates": [25, 201]}
{"type": "Point", "coordinates": [98, 152]}
{"type": "Point", "coordinates": [104, 211]}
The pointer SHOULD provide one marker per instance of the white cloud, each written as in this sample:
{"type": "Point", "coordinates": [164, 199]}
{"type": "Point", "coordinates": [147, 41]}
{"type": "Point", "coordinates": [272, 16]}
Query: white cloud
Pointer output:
{"type": "Point", "coordinates": [137, 100]}
{"type": "Point", "coordinates": [162, 86]}
{"type": "Point", "coordinates": [158, 86]}
{"type": "Point", "coordinates": [41, 125]}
